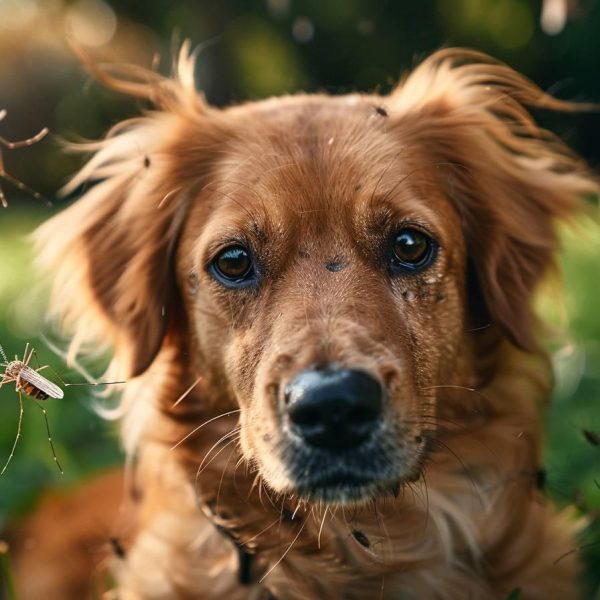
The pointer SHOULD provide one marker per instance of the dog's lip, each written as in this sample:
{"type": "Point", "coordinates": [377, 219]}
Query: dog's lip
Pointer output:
{"type": "Point", "coordinates": [339, 479]}
{"type": "Point", "coordinates": [345, 485]}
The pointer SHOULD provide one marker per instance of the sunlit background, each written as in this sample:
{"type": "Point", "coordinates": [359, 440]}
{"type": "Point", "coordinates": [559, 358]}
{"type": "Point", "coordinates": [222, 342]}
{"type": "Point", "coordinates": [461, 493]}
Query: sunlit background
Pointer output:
{"type": "Point", "coordinates": [251, 49]}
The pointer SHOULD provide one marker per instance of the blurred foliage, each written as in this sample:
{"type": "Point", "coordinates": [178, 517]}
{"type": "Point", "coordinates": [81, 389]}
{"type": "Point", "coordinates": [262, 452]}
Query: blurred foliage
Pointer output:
{"type": "Point", "coordinates": [84, 443]}
{"type": "Point", "coordinates": [253, 49]}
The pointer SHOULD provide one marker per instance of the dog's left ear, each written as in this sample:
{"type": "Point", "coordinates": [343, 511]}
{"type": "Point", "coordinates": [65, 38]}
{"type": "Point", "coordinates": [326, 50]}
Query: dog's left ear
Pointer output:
{"type": "Point", "coordinates": [509, 179]}
{"type": "Point", "coordinates": [112, 251]}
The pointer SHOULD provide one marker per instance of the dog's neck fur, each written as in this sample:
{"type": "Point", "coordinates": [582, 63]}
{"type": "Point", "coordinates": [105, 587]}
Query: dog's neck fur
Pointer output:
{"type": "Point", "coordinates": [436, 534]}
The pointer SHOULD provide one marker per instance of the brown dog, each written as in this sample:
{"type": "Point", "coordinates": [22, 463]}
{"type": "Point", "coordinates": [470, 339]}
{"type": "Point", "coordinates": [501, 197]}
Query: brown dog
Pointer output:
{"type": "Point", "coordinates": [322, 305]}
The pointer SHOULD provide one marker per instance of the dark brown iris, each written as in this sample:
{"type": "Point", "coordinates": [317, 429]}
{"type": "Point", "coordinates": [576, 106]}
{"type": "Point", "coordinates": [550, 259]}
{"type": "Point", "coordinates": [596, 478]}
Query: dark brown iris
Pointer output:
{"type": "Point", "coordinates": [233, 262]}
{"type": "Point", "coordinates": [411, 247]}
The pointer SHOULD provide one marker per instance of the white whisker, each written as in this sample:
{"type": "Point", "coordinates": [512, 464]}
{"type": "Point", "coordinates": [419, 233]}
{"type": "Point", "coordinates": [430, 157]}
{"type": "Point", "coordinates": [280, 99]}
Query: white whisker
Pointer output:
{"type": "Point", "coordinates": [196, 429]}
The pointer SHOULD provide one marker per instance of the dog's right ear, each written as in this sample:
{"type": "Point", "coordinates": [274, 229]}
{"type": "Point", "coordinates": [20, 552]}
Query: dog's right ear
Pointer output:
{"type": "Point", "coordinates": [112, 251]}
{"type": "Point", "coordinates": [509, 180]}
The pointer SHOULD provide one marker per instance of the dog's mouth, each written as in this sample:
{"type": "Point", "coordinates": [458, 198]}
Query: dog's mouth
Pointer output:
{"type": "Point", "coordinates": [344, 487]}
{"type": "Point", "coordinates": [378, 469]}
{"type": "Point", "coordinates": [339, 439]}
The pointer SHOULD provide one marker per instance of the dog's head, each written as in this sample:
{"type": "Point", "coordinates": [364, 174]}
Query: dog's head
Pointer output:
{"type": "Point", "coordinates": [323, 261]}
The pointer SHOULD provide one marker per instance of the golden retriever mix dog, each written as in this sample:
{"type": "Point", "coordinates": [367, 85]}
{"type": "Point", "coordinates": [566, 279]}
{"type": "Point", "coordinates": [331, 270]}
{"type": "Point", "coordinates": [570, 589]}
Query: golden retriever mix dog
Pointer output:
{"type": "Point", "coordinates": [322, 306]}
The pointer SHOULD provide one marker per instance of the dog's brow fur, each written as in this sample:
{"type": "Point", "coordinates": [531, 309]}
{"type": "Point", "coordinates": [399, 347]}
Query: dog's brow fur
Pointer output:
{"type": "Point", "coordinates": [316, 187]}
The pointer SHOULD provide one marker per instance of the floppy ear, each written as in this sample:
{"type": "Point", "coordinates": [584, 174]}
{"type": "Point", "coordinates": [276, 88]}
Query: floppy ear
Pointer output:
{"type": "Point", "coordinates": [112, 250]}
{"type": "Point", "coordinates": [509, 179]}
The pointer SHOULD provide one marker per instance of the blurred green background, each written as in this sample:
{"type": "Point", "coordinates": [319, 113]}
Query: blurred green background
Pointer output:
{"type": "Point", "coordinates": [253, 49]}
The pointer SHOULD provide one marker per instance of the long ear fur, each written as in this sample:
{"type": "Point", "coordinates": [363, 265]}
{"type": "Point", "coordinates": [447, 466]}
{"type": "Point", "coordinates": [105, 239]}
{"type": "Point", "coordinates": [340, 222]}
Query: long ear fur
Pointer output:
{"type": "Point", "coordinates": [508, 178]}
{"type": "Point", "coordinates": [111, 250]}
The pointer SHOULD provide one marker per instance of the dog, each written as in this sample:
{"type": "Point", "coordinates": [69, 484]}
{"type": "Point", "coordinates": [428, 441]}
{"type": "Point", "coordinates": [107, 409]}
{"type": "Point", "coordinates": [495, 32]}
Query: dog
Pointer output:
{"type": "Point", "coordinates": [323, 309]}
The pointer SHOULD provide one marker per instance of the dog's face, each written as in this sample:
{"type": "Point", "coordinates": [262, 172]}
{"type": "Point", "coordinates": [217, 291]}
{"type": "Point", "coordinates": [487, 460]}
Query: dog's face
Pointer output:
{"type": "Point", "coordinates": [321, 263]}
{"type": "Point", "coordinates": [326, 292]}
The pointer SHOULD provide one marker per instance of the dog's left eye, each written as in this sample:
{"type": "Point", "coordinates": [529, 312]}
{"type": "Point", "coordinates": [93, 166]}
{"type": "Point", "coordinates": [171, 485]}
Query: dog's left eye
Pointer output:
{"type": "Point", "coordinates": [412, 250]}
{"type": "Point", "coordinates": [233, 265]}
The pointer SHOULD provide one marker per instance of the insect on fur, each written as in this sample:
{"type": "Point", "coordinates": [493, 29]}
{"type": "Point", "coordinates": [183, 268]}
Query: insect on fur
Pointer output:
{"type": "Point", "coordinates": [4, 175]}
{"type": "Point", "coordinates": [36, 386]}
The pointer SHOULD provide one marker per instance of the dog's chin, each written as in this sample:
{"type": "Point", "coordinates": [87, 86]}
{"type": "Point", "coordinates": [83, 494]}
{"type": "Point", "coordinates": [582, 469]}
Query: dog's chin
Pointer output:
{"type": "Point", "coordinates": [346, 489]}
{"type": "Point", "coordinates": [378, 468]}
{"type": "Point", "coordinates": [351, 481]}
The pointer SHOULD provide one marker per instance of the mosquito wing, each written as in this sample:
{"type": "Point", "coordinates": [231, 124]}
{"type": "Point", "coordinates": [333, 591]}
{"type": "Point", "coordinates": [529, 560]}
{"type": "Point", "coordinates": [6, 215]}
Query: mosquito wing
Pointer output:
{"type": "Point", "coordinates": [40, 382]}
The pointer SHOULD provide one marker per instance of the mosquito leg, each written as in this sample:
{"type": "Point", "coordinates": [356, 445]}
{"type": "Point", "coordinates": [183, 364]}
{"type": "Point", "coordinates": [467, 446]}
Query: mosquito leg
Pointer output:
{"type": "Point", "coordinates": [12, 452]}
{"type": "Point", "coordinates": [40, 135]}
{"type": "Point", "coordinates": [6, 379]}
{"type": "Point", "coordinates": [49, 436]}
{"type": "Point", "coordinates": [3, 200]}
{"type": "Point", "coordinates": [24, 188]}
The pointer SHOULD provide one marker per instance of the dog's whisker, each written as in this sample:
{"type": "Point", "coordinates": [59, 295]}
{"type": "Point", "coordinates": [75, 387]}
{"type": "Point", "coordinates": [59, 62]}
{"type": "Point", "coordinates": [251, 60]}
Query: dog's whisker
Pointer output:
{"type": "Point", "coordinates": [272, 502]}
{"type": "Point", "coordinates": [422, 476]}
{"type": "Point", "coordinates": [457, 387]}
{"type": "Point", "coordinates": [464, 467]}
{"type": "Point", "coordinates": [223, 438]}
{"type": "Point", "coordinates": [260, 489]}
{"type": "Point", "coordinates": [321, 528]}
{"type": "Point", "coordinates": [196, 429]}
{"type": "Point", "coordinates": [223, 476]}
{"type": "Point", "coordinates": [257, 535]}
{"type": "Point", "coordinates": [284, 554]}
{"type": "Point", "coordinates": [187, 392]}
{"type": "Point", "coordinates": [296, 509]}
{"type": "Point", "coordinates": [214, 457]}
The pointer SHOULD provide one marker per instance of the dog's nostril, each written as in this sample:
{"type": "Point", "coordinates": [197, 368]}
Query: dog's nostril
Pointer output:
{"type": "Point", "coordinates": [334, 408]}
{"type": "Point", "coordinates": [305, 416]}
{"type": "Point", "coordinates": [362, 414]}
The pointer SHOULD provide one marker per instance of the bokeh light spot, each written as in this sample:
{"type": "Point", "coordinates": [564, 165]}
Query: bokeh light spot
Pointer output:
{"type": "Point", "coordinates": [92, 22]}
{"type": "Point", "coordinates": [303, 30]}
{"type": "Point", "coordinates": [510, 24]}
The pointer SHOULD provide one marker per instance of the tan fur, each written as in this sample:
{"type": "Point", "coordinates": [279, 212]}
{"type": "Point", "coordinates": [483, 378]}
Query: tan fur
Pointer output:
{"type": "Point", "coordinates": [307, 180]}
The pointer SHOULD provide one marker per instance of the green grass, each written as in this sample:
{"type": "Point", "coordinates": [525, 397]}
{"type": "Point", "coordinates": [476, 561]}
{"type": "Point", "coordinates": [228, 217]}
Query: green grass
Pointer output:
{"type": "Point", "coordinates": [85, 444]}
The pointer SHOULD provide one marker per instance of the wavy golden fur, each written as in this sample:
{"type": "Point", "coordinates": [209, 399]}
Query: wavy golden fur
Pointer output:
{"type": "Point", "coordinates": [447, 505]}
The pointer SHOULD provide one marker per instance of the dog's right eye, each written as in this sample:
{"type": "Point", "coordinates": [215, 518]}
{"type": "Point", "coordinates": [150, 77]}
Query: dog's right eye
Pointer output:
{"type": "Point", "coordinates": [412, 250]}
{"type": "Point", "coordinates": [233, 265]}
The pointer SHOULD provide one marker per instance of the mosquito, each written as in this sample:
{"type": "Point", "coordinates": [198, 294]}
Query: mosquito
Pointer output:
{"type": "Point", "coordinates": [36, 386]}
{"type": "Point", "coordinates": [7, 177]}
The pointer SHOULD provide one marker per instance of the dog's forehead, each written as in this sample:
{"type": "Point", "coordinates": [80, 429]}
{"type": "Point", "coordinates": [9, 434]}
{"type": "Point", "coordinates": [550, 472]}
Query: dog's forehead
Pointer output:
{"type": "Point", "coordinates": [313, 154]}
{"type": "Point", "coordinates": [314, 133]}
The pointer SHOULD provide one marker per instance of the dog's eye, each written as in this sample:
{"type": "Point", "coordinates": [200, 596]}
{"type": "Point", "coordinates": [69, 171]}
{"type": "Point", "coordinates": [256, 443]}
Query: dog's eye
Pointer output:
{"type": "Point", "coordinates": [412, 250]}
{"type": "Point", "coordinates": [233, 265]}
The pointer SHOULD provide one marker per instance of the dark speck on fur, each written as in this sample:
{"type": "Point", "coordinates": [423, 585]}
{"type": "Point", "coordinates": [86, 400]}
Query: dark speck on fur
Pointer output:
{"type": "Point", "coordinates": [335, 266]}
{"type": "Point", "coordinates": [361, 538]}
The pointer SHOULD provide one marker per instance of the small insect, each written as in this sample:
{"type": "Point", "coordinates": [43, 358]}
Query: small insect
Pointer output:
{"type": "Point", "coordinates": [591, 436]}
{"type": "Point", "coordinates": [117, 547]}
{"type": "Point", "coordinates": [361, 538]}
{"type": "Point", "coordinates": [37, 387]}
{"type": "Point", "coordinates": [4, 175]}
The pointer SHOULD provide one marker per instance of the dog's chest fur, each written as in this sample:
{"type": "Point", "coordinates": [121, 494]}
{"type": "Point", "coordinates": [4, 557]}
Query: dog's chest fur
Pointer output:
{"type": "Point", "coordinates": [223, 534]}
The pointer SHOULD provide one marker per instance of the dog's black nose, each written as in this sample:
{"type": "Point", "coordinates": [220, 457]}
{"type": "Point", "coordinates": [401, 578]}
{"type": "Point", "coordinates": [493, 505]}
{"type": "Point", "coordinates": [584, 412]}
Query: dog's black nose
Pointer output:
{"type": "Point", "coordinates": [331, 408]}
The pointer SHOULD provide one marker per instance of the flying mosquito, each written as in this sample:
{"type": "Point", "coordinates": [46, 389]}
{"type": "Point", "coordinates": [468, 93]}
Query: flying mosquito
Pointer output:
{"type": "Point", "coordinates": [7, 177]}
{"type": "Point", "coordinates": [37, 387]}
